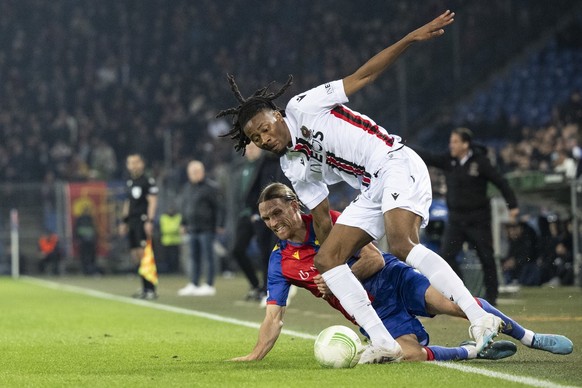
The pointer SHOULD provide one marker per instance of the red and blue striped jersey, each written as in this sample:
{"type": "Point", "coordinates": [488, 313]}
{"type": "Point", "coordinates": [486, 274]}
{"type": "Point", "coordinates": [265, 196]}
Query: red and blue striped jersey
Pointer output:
{"type": "Point", "coordinates": [292, 263]}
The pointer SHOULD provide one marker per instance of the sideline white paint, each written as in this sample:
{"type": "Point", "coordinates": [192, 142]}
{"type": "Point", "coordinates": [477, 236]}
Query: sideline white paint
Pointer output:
{"type": "Point", "coordinates": [103, 295]}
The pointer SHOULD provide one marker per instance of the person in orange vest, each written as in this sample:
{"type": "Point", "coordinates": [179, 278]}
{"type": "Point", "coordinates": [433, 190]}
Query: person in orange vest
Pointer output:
{"type": "Point", "coordinates": [48, 245]}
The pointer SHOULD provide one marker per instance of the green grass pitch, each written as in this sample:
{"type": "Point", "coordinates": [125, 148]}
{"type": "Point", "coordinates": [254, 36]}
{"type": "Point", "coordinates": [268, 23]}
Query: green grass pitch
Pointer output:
{"type": "Point", "coordinates": [55, 337]}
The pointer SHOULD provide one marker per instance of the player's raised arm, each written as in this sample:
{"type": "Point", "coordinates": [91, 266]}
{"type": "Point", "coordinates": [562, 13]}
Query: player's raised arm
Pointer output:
{"type": "Point", "coordinates": [268, 334]}
{"type": "Point", "coordinates": [381, 61]}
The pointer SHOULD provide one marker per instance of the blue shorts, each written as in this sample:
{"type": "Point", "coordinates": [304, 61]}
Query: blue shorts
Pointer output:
{"type": "Point", "coordinates": [398, 292]}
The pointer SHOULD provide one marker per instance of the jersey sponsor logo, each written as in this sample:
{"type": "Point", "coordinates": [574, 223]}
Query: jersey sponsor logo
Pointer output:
{"type": "Point", "coordinates": [304, 274]}
{"type": "Point", "coordinates": [328, 88]}
{"type": "Point", "coordinates": [301, 97]}
{"type": "Point", "coordinates": [395, 196]}
{"type": "Point", "coordinates": [136, 192]}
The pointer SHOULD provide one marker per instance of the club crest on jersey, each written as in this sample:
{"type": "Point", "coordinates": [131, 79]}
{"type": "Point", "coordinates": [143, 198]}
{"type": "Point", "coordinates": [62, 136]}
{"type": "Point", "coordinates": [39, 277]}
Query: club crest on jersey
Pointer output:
{"type": "Point", "coordinates": [473, 169]}
{"type": "Point", "coordinates": [136, 192]}
{"type": "Point", "coordinates": [305, 132]}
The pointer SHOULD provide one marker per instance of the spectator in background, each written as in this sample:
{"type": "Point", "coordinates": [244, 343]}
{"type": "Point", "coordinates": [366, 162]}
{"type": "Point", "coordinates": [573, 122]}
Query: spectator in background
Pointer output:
{"type": "Point", "coordinates": [85, 233]}
{"type": "Point", "coordinates": [202, 217]}
{"type": "Point", "coordinates": [103, 160]}
{"type": "Point", "coordinates": [521, 266]}
{"type": "Point", "coordinates": [48, 193]}
{"type": "Point", "coordinates": [564, 164]}
{"type": "Point", "coordinates": [557, 259]}
{"type": "Point", "coordinates": [171, 239]}
{"type": "Point", "coordinates": [50, 254]}
{"type": "Point", "coordinates": [467, 172]}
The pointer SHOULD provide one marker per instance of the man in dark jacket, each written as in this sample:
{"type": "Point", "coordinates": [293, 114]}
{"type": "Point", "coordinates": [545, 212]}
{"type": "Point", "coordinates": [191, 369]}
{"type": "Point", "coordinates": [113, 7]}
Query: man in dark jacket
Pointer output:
{"type": "Point", "coordinates": [250, 176]}
{"type": "Point", "coordinates": [202, 215]}
{"type": "Point", "coordinates": [467, 172]}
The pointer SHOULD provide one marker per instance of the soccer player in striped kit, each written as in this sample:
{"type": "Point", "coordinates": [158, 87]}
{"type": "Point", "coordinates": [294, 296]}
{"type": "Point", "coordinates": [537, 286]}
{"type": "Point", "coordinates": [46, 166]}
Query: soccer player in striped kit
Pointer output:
{"type": "Point", "coordinates": [321, 142]}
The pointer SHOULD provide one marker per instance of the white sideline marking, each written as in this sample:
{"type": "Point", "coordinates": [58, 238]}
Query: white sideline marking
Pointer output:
{"type": "Point", "coordinates": [179, 310]}
{"type": "Point", "coordinates": [157, 306]}
{"type": "Point", "coordinates": [516, 379]}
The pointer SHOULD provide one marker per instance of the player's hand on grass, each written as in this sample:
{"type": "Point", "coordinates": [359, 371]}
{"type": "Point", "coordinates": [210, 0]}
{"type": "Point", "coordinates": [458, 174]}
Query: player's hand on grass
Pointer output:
{"type": "Point", "coordinates": [433, 29]}
{"type": "Point", "coordinates": [248, 357]}
{"type": "Point", "coordinates": [322, 287]}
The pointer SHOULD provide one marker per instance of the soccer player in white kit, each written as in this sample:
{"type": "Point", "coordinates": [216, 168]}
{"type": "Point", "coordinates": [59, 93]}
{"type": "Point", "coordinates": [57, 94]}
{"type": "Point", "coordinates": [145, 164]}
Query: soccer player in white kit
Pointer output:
{"type": "Point", "coordinates": [322, 142]}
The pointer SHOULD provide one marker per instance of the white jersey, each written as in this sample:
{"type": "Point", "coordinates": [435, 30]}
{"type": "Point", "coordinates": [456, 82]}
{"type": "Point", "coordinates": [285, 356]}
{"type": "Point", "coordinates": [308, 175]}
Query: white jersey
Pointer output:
{"type": "Point", "coordinates": [331, 143]}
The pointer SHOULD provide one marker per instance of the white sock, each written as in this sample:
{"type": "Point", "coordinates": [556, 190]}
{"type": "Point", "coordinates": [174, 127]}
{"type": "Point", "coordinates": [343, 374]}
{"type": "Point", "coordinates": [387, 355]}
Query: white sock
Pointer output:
{"type": "Point", "coordinates": [354, 299]}
{"type": "Point", "coordinates": [527, 338]}
{"type": "Point", "coordinates": [445, 280]}
{"type": "Point", "coordinates": [471, 351]}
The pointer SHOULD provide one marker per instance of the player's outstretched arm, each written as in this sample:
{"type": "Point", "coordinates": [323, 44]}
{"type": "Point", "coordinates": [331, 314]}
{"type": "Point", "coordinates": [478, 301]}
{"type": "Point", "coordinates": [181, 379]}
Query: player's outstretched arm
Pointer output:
{"type": "Point", "coordinates": [268, 334]}
{"type": "Point", "coordinates": [381, 61]}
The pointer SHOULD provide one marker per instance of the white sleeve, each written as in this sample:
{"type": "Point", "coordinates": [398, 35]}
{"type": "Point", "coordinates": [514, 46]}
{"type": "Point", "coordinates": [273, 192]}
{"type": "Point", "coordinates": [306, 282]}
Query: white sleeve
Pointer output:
{"type": "Point", "coordinates": [321, 98]}
{"type": "Point", "coordinates": [310, 193]}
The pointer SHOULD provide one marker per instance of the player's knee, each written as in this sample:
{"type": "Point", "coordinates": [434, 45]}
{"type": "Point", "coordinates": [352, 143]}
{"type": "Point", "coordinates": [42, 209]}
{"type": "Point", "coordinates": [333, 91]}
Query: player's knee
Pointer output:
{"type": "Point", "coordinates": [323, 262]}
{"type": "Point", "coordinates": [417, 353]}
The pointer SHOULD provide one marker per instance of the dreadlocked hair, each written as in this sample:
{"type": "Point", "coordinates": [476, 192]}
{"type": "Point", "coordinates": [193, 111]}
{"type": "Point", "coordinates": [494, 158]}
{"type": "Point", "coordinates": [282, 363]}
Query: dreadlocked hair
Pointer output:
{"type": "Point", "coordinates": [248, 108]}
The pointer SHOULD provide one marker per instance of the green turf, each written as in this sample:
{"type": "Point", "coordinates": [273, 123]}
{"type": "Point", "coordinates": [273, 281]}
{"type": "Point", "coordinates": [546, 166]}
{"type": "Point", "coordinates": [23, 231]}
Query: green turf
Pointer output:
{"type": "Point", "coordinates": [54, 338]}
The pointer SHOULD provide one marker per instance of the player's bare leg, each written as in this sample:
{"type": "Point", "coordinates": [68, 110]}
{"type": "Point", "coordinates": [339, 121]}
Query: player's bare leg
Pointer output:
{"type": "Point", "coordinates": [343, 241]}
{"type": "Point", "coordinates": [437, 304]}
{"type": "Point", "coordinates": [402, 231]}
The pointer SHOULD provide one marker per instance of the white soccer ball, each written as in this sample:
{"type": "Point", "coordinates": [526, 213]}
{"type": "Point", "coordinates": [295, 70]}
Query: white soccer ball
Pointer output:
{"type": "Point", "coordinates": [338, 347]}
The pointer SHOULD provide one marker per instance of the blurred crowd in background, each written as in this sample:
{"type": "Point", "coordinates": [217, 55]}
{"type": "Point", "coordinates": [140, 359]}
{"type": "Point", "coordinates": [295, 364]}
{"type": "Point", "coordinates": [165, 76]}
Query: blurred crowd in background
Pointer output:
{"type": "Point", "coordinates": [83, 83]}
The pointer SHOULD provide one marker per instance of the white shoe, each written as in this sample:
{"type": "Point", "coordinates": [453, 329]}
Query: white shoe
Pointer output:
{"type": "Point", "coordinates": [189, 290]}
{"type": "Point", "coordinates": [205, 290]}
{"type": "Point", "coordinates": [484, 329]}
{"type": "Point", "coordinates": [381, 355]}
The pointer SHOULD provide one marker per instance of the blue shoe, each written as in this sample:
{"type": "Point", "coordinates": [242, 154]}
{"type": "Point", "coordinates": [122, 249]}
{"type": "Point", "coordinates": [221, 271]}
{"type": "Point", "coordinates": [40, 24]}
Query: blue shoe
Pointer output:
{"type": "Point", "coordinates": [553, 343]}
{"type": "Point", "coordinates": [496, 351]}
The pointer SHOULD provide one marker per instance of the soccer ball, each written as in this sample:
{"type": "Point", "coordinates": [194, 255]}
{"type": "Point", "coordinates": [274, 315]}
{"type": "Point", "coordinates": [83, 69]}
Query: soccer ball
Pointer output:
{"type": "Point", "coordinates": [338, 347]}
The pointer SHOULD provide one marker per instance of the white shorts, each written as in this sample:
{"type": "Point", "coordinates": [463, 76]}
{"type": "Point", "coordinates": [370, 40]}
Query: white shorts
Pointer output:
{"type": "Point", "coordinates": [402, 182]}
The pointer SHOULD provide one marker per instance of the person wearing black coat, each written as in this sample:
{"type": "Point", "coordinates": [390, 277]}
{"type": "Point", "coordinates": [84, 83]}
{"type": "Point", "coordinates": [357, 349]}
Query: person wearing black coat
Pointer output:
{"type": "Point", "coordinates": [467, 172]}
{"type": "Point", "coordinates": [202, 216]}
{"type": "Point", "coordinates": [251, 175]}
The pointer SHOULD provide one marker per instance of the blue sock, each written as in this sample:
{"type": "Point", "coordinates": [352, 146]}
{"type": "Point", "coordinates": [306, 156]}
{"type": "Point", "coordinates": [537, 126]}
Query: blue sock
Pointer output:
{"type": "Point", "coordinates": [440, 353]}
{"type": "Point", "coordinates": [512, 328]}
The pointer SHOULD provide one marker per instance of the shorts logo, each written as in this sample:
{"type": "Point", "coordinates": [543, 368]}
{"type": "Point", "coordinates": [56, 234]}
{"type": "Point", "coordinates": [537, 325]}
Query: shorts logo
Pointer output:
{"type": "Point", "coordinates": [328, 89]}
{"type": "Point", "coordinates": [395, 196]}
{"type": "Point", "coordinates": [301, 97]}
